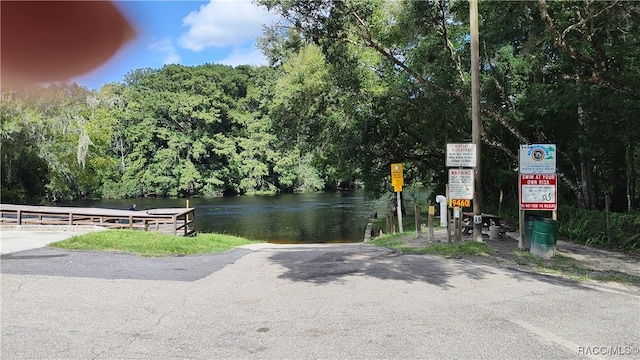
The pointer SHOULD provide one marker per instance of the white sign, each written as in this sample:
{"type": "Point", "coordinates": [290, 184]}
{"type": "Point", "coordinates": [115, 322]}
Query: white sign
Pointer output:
{"type": "Point", "coordinates": [538, 191]}
{"type": "Point", "coordinates": [461, 155]}
{"type": "Point", "coordinates": [461, 184]}
{"type": "Point", "coordinates": [538, 159]}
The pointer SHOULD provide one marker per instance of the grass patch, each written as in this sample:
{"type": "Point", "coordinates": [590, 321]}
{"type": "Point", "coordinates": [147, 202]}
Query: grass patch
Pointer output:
{"type": "Point", "coordinates": [573, 269]}
{"type": "Point", "coordinates": [560, 265]}
{"type": "Point", "coordinates": [148, 243]}
{"type": "Point", "coordinates": [527, 259]}
{"type": "Point", "coordinates": [398, 242]}
{"type": "Point", "coordinates": [395, 242]}
{"type": "Point", "coordinates": [392, 240]}
{"type": "Point", "coordinates": [467, 248]}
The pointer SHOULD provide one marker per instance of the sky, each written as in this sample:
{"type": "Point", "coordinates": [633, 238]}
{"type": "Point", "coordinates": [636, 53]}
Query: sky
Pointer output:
{"type": "Point", "coordinates": [187, 33]}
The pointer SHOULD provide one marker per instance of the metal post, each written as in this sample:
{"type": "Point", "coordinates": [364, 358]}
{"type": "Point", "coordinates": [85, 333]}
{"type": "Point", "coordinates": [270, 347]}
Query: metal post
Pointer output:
{"type": "Point", "coordinates": [457, 235]}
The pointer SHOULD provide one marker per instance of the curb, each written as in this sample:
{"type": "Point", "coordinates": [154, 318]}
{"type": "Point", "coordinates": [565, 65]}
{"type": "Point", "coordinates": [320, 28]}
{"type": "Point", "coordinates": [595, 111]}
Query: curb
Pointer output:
{"type": "Point", "coordinates": [49, 228]}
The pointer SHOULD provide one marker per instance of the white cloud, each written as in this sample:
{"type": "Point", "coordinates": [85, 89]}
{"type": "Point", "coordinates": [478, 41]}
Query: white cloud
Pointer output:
{"type": "Point", "coordinates": [250, 56]}
{"type": "Point", "coordinates": [223, 23]}
{"type": "Point", "coordinates": [165, 47]}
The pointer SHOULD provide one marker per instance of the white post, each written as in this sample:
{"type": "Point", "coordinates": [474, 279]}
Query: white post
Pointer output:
{"type": "Point", "coordinates": [442, 200]}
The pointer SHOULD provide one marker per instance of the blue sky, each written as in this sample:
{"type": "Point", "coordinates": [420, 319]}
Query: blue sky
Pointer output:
{"type": "Point", "coordinates": [187, 33]}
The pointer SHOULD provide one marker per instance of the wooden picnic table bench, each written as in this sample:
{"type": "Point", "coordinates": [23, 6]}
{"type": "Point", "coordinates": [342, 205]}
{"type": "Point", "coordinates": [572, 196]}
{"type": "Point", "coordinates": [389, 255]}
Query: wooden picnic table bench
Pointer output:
{"type": "Point", "coordinates": [488, 220]}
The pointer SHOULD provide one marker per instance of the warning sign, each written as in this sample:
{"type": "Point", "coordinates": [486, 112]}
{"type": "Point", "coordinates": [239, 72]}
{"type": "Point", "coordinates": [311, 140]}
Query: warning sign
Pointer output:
{"type": "Point", "coordinates": [538, 192]}
{"type": "Point", "coordinates": [461, 183]}
{"type": "Point", "coordinates": [397, 178]}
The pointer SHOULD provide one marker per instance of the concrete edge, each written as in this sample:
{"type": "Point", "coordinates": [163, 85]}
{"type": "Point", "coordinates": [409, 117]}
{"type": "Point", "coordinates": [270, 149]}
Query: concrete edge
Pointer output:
{"type": "Point", "coordinates": [49, 228]}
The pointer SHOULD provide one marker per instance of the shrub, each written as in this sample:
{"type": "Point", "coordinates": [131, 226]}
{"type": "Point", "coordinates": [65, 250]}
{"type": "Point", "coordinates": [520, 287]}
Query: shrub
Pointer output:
{"type": "Point", "coordinates": [590, 227]}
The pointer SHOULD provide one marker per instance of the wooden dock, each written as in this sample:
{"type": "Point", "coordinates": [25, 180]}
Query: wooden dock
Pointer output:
{"type": "Point", "coordinates": [176, 221]}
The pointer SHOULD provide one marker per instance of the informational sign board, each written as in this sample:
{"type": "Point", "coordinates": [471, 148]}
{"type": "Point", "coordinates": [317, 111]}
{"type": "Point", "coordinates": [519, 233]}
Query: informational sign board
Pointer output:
{"type": "Point", "coordinates": [538, 192]}
{"type": "Point", "coordinates": [538, 159]}
{"type": "Point", "coordinates": [461, 183]}
{"type": "Point", "coordinates": [461, 155]}
{"type": "Point", "coordinates": [397, 178]}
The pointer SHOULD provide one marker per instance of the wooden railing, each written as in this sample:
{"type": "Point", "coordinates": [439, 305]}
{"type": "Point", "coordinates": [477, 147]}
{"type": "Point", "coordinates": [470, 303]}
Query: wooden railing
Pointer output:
{"type": "Point", "coordinates": [178, 221]}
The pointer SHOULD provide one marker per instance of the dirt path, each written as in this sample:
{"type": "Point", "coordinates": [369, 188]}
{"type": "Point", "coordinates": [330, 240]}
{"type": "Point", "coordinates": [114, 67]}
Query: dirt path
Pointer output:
{"type": "Point", "coordinates": [600, 259]}
{"type": "Point", "coordinates": [571, 259]}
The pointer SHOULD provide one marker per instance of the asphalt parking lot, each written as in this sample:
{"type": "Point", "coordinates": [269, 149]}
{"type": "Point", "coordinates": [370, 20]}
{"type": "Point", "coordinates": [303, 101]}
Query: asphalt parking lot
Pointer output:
{"type": "Point", "coordinates": [347, 301]}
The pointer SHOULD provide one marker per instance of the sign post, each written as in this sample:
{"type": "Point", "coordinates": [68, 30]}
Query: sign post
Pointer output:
{"type": "Point", "coordinates": [397, 180]}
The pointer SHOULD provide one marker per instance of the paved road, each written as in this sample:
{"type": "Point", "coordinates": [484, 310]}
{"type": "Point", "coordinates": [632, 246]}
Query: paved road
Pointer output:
{"type": "Point", "coordinates": [19, 238]}
{"type": "Point", "coordinates": [302, 301]}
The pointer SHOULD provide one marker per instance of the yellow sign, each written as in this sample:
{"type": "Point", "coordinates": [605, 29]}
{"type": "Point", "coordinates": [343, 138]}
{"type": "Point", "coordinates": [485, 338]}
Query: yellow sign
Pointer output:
{"type": "Point", "coordinates": [397, 179]}
{"type": "Point", "coordinates": [460, 203]}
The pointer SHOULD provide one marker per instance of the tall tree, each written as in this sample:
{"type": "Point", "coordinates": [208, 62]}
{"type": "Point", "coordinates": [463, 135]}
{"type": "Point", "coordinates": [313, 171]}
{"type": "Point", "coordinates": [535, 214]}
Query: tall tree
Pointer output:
{"type": "Point", "coordinates": [587, 49]}
{"type": "Point", "coordinates": [55, 139]}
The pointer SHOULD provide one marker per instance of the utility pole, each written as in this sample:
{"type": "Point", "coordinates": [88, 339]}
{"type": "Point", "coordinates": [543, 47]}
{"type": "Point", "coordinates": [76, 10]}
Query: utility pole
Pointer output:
{"type": "Point", "coordinates": [476, 122]}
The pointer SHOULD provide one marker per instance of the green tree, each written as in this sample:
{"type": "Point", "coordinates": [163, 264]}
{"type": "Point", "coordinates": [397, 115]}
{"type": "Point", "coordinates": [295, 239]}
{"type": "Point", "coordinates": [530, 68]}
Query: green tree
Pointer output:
{"type": "Point", "coordinates": [54, 139]}
{"type": "Point", "coordinates": [416, 54]}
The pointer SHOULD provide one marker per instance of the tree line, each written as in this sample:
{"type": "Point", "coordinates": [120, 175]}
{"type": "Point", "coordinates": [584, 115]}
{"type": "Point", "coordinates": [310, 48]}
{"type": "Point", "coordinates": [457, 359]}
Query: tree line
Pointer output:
{"type": "Point", "coordinates": [175, 131]}
{"type": "Point", "coordinates": [351, 87]}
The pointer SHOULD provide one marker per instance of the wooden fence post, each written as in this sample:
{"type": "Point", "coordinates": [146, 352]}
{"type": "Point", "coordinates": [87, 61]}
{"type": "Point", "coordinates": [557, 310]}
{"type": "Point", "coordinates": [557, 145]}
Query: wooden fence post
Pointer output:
{"type": "Point", "coordinates": [432, 213]}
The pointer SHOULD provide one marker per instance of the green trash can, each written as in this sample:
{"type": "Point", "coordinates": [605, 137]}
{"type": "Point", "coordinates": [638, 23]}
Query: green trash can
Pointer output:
{"type": "Point", "coordinates": [544, 237]}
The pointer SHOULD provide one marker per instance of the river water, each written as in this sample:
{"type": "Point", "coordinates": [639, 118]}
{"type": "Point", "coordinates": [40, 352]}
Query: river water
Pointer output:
{"type": "Point", "coordinates": [288, 218]}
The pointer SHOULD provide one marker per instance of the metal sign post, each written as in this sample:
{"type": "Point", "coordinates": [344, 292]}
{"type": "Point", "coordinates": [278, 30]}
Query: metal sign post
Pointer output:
{"type": "Point", "coordinates": [397, 180]}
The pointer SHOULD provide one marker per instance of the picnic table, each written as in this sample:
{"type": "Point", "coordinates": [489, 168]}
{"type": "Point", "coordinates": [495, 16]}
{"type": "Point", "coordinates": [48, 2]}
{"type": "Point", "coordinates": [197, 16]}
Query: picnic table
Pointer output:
{"type": "Point", "coordinates": [488, 221]}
